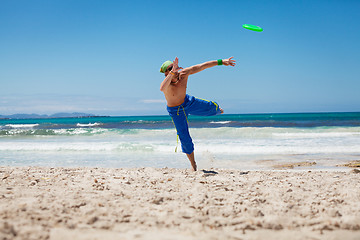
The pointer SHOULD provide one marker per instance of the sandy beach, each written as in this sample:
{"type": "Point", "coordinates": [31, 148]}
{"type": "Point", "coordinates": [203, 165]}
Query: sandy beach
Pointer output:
{"type": "Point", "coordinates": [150, 203]}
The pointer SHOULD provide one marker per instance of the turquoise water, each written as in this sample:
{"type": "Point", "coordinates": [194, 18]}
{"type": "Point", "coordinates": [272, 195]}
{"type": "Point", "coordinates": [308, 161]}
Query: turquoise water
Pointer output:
{"type": "Point", "coordinates": [226, 120]}
{"type": "Point", "coordinates": [241, 141]}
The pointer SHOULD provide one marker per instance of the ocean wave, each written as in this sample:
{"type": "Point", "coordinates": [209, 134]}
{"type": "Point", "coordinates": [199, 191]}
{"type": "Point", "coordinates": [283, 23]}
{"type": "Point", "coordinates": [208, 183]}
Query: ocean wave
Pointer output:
{"type": "Point", "coordinates": [201, 133]}
{"type": "Point", "coordinates": [218, 147]}
{"type": "Point", "coordinates": [51, 132]}
{"type": "Point", "coordinates": [220, 122]}
{"type": "Point", "coordinates": [271, 149]}
{"type": "Point", "coordinates": [227, 141]}
{"type": "Point", "coordinates": [23, 132]}
{"type": "Point", "coordinates": [316, 134]}
{"type": "Point", "coordinates": [21, 125]}
{"type": "Point", "coordinates": [88, 124]}
{"type": "Point", "coordinates": [77, 147]}
{"type": "Point", "coordinates": [81, 132]}
{"type": "Point", "coordinates": [273, 132]}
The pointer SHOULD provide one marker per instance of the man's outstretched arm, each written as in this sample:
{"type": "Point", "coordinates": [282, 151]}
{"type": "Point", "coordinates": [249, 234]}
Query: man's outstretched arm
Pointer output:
{"type": "Point", "coordinates": [200, 67]}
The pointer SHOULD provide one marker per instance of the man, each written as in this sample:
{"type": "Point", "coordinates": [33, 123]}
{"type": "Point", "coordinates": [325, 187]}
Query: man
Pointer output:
{"type": "Point", "coordinates": [180, 105]}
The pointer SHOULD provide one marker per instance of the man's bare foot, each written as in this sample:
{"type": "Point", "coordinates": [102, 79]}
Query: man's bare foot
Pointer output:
{"type": "Point", "coordinates": [222, 110]}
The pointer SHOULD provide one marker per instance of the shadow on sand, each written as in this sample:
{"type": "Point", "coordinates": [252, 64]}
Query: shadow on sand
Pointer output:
{"type": "Point", "coordinates": [209, 173]}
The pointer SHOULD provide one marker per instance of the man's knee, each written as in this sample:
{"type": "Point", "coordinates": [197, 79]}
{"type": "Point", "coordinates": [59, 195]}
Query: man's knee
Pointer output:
{"type": "Point", "coordinates": [187, 144]}
{"type": "Point", "coordinates": [187, 148]}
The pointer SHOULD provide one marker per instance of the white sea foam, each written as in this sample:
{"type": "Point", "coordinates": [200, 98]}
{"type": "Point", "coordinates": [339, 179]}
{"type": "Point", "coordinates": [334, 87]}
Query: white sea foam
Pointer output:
{"type": "Point", "coordinates": [219, 148]}
{"type": "Point", "coordinates": [220, 122]}
{"type": "Point", "coordinates": [316, 135]}
{"type": "Point", "coordinates": [271, 132]}
{"type": "Point", "coordinates": [46, 146]}
{"type": "Point", "coordinates": [21, 125]}
{"type": "Point", "coordinates": [220, 140]}
{"type": "Point", "coordinates": [238, 149]}
{"type": "Point", "coordinates": [88, 124]}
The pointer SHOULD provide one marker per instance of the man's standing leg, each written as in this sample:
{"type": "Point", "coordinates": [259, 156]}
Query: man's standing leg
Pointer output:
{"type": "Point", "coordinates": [181, 124]}
{"type": "Point", "coordinates": [191, 157]}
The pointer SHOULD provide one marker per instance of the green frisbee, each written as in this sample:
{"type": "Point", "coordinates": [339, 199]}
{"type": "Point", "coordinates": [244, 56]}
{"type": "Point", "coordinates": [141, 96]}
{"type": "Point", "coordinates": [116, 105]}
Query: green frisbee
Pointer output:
{"type": "Point", "coordinates": [253, 27]}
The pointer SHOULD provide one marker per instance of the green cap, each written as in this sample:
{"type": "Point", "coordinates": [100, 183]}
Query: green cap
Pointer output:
{"type": "Point", "coordinates": [165, 65]}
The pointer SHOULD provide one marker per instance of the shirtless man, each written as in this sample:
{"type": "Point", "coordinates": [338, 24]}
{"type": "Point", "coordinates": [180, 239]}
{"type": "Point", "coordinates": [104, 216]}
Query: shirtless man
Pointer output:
{"type": "Point", "coordinates": [180, 105]}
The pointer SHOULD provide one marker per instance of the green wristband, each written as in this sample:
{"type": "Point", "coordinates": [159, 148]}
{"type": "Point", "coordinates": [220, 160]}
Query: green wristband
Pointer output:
{"type": "Point", "coordinates": [220, 62]}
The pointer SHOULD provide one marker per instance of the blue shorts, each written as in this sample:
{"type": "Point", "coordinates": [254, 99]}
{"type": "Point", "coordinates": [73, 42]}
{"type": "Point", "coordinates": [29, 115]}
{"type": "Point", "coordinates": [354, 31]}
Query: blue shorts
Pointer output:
{"type": "Point", "coordinates": [179, 115]}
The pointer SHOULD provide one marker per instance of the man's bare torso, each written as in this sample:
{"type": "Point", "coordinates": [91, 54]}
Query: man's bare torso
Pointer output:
{"type": "Point", "coordinates": [176, 92]}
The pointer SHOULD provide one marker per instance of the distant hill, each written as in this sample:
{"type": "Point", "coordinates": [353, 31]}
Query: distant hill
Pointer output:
{"type": "Point", "coordinates": [74, 114]}
{"type": "Point", "coordinates": [56, 115]}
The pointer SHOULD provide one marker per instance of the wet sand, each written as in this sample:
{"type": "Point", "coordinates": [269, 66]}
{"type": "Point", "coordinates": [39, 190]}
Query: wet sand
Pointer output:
{"type": "Point", "coordinates": [149, 203]}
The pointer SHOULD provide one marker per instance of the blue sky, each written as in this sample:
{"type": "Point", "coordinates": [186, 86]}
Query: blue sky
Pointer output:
{"type": "Point", "coordinates": [103, 57]}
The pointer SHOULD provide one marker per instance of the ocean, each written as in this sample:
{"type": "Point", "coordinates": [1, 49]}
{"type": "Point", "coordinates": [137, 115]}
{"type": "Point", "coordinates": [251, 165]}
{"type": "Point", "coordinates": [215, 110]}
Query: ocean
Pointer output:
{"type": "Point", "coordinates": [236, 141]}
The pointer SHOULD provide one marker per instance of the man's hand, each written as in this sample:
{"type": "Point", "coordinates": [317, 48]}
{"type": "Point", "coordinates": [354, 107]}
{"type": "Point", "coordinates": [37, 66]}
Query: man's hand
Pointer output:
{"type": "Point", "coordinates": [229, 62]}
{"type": "Point", "coordinates": [176, 68]}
